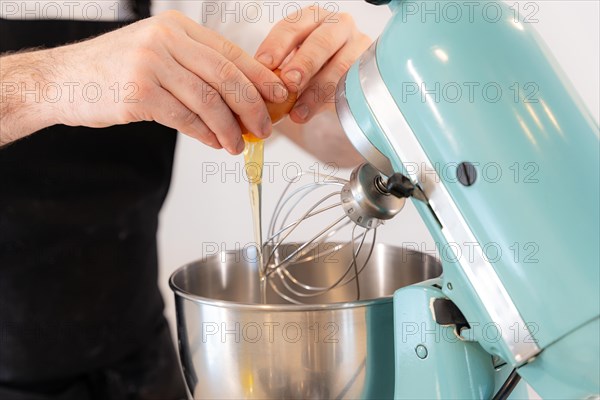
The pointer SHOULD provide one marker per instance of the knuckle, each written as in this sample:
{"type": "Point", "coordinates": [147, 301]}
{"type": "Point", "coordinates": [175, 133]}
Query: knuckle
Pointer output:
{"type": "Point", "coordinates": [155, 33]}
{"type": "Point", "coordinates": [231, 51]}
{"type": "Point", "coordinates": [341, 67]}
{"type": "Point", "coordinates": [264, 77]}
{"type": "Point", "coordinates": [210, 96]}
{"type": "Point", "coordinates": [286, 29]}
{"type": "Point", "coordinates": [145, 90]}
{"type": "Point", "coordinates": [202, 133]}
{"type": "Point", "coordinates": [227, 71]}
{"type": "Point", "coordinates": [256, 109]}
{"type": "Point", "coordinates": [322, 41]}
{"type": "Point", "coordinates": [277, 49]}
{"type": "Point", "coordinates": [307, 63]}
{"type": "Point", "coordinates": [232, 131]}
{"type": "Point", "coordinates": [250, 94]}
{"type": "Point", "coordinates": [195, 85]}
{"type": "Point", "coordinates": [184, 116]}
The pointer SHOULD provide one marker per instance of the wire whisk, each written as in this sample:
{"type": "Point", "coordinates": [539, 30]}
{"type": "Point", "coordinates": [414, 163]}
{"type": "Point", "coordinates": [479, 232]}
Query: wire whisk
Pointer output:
{"type": "Point", "coordinates": [316, 216]}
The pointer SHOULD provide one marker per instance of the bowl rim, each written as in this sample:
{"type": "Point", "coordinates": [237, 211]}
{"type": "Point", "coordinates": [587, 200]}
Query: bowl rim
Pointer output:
{"type": "Point", "coordinates": [179, 292]}
{"type": "Point", "coordinates": [277, 307]}
{"type": "Point", "coordinates": [285, 307]}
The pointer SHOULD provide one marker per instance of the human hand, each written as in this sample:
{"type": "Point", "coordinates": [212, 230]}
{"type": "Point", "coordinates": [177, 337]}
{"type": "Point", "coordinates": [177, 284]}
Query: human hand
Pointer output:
{"type": "Point", "coordinates": [318, 47]}
{"type": "Point", "coordinates": [173, 71]}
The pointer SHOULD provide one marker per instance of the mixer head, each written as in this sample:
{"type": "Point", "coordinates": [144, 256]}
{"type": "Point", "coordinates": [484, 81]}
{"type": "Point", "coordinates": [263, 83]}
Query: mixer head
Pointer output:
{"type": "Point", "coordinates": [394, 108]}
{"type": "Point", "coordinates": [353, 210]}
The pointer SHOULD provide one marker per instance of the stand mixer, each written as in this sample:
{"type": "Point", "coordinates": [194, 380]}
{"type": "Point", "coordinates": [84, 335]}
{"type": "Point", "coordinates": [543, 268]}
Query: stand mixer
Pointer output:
{"type": "Point", "coordinates": [520, 279]}
{"type": "Point", "coordinates": [472, 120]}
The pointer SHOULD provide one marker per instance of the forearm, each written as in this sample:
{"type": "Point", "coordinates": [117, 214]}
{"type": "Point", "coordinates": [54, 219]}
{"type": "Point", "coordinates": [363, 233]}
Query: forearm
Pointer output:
{"type": "Point", "coordinates": [324, 138]}
{"type": "Point", "coordinates": [26, 98]}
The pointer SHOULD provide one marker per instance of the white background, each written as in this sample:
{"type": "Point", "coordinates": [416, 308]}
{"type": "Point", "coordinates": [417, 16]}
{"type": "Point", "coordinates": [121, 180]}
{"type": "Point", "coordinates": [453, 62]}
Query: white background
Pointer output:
{"type": "Point", "coordinates": [203, 210]}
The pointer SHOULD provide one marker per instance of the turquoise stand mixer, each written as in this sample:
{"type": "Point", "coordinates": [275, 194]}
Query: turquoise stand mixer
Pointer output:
{"type": "Point", "coordinates": [470, 116]}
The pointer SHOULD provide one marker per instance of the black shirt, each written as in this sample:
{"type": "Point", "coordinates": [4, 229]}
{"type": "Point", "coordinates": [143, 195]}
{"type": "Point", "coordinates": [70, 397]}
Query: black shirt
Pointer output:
{"type": "Point", "coordinates": [78, 219]}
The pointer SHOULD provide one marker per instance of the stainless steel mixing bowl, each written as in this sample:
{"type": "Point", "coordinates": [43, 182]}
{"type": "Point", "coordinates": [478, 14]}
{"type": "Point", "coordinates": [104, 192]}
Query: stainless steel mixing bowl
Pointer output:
{"type": "Point", "coordinates": [233, 347]}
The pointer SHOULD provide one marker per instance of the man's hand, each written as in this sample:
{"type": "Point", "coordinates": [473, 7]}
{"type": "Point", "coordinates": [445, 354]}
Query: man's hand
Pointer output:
{"type": "Point", "coordinates": [316, 48]}
{"type": "Point", "coordinates": [166, 69]}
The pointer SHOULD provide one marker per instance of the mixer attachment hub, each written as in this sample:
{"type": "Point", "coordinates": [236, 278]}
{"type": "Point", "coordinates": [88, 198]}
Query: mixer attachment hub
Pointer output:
{"type": "Point", "coordinates": [366, 200]}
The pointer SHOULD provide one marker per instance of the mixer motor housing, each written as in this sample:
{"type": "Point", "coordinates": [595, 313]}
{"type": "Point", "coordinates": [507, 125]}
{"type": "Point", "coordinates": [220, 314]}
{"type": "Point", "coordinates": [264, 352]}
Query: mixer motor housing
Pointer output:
{"type": "Point", "coordinates": [524, 256]}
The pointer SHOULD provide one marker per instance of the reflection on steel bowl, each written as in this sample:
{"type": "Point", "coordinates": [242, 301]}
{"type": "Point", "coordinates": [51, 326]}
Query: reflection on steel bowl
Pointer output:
{"type": "Point", "coordinates": [234, 347]}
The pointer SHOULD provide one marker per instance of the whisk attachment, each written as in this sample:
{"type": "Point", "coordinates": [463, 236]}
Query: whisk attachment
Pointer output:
{"type": "Point", "coordinates": [316, 216]}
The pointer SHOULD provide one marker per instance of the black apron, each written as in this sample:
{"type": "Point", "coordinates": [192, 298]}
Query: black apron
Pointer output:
{"type": "Point", "coordinates": [81, 316]}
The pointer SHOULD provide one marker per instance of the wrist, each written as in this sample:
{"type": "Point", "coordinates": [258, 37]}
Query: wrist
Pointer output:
{"type": "Point", "coordinates": [27, 100]}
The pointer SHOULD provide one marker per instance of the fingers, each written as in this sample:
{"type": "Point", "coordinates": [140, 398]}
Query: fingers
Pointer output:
{"type": "Point", "coordinates": [321, 89]}
{"type": "Point", "coordinates": [171, 112]}
{"type": "Point", "coordinates": [319, 32]}
{"type": "Point", "coordinates": [211, 88]}
{"type": "Point", "coordinates": [268, 84]}
{"type": "Point", "coordinates": [288, 34]}
{"type": "Point", "coordinates": [315, 52]}
{"type": "Point", "coordinates": [230, 83]}
{"type": "Point", "coordinates": [204, 101]}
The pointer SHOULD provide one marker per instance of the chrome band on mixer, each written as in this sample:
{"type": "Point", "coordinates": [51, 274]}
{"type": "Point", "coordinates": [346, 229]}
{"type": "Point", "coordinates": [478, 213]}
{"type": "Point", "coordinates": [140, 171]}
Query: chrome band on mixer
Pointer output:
{"type": "Point", "coordinates": [480, 272]}
{"type": "Point", "coordinates": [354, 133]}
